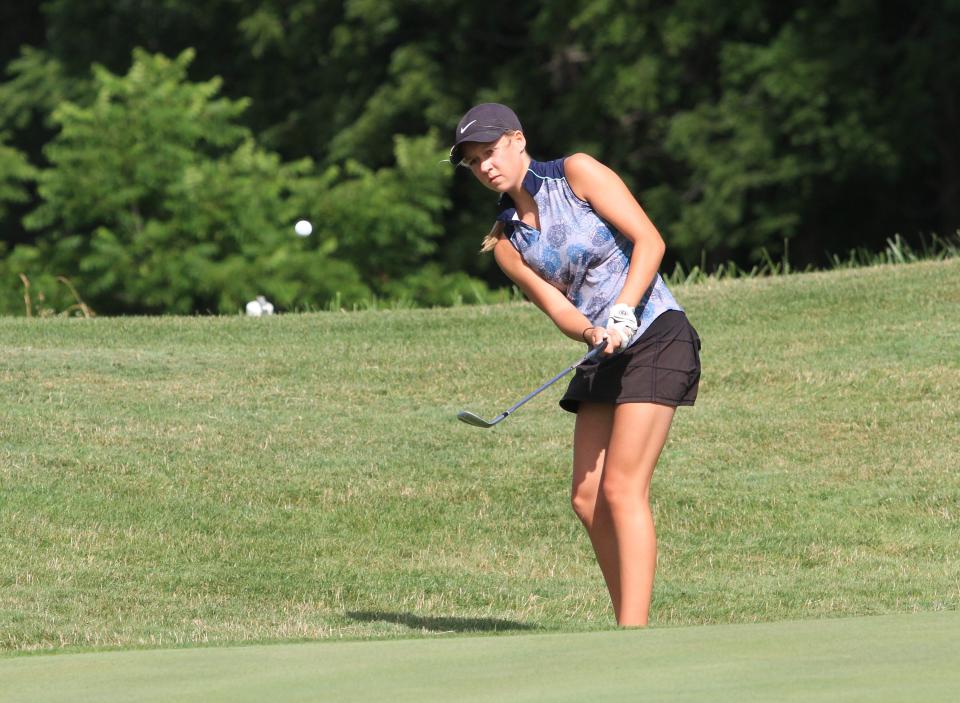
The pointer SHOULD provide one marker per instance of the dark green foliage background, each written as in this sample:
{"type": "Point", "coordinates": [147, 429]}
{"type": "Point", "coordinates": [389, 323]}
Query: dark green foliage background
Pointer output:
{"type": "Point", "coordinates": [742, 127]}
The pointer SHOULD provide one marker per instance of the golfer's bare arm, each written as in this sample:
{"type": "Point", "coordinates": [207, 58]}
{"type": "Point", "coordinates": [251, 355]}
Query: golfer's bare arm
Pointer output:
{"type": "Point", "coordinates": [565, 316]}
{"type": "Point", "coordinates": [610, 198]}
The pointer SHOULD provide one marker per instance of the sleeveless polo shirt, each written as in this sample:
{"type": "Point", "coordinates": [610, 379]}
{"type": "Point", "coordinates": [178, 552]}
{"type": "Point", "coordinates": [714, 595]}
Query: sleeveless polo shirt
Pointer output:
{"type": "Point", "coordinates": [576, 250]}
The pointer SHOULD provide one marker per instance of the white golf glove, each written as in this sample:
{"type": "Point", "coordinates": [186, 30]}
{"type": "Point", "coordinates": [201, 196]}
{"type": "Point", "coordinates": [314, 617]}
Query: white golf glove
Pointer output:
{"type": "Point", "coordinates": [624, 321]}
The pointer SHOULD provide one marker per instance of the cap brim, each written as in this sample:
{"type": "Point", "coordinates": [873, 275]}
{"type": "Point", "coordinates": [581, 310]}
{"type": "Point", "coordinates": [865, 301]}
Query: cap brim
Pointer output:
{"type": "Point", "coordinates": [486, 135]}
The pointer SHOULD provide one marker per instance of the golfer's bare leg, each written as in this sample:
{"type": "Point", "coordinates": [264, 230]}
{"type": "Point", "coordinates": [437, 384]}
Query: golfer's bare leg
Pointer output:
{"type": "Point", "coordinates": [636, 440]}
{"type": "Point", "coordinates": [594, 423]}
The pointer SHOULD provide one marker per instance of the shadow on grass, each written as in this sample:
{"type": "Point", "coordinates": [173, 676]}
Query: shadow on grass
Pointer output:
{"type": "Point", "coordinates": [415, 622]}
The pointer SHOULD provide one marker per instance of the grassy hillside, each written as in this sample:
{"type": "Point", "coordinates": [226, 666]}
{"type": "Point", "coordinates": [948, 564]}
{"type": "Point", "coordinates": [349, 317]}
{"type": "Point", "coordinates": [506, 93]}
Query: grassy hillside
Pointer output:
{"type": "Point", "coordinates": [197, 480]}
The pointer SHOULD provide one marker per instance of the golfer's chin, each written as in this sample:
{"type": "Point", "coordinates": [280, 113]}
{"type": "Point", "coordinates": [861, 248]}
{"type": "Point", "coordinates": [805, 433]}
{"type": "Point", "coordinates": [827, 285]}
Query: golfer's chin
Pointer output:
{"type": "Point", "coordinates": [498, 184]}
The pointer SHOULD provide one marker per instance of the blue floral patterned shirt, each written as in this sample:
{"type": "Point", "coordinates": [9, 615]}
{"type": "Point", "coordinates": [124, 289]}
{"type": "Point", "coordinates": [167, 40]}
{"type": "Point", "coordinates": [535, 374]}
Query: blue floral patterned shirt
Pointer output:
{"type": "Point", "coordinates": [576, 250]}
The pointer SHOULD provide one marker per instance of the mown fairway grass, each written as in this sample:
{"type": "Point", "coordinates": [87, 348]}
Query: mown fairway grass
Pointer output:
{"type": "Point", "coordinates": [875, 659]}
{"type": "Point", "coordinates": [180, 481]}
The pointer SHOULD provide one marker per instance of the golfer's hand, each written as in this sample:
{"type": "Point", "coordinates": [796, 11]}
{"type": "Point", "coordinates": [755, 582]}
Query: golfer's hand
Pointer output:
{"type": "Point", "coordinates": [615, 341]}
{"type": "Point", "coordinates": [595, 335]}
{"type": "Point", "coordinates": [623, 320]}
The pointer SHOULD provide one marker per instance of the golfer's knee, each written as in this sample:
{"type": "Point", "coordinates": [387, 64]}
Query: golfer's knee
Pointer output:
{"type": "Point", "coordinates": [584, 504]}
{"type": "Point", "coordinates": [623, 495]}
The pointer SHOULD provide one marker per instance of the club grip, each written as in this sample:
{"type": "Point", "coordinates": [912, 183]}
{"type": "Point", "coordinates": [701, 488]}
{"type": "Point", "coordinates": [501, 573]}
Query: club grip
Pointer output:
{"type": "Point", "coordinates": [596, 351]}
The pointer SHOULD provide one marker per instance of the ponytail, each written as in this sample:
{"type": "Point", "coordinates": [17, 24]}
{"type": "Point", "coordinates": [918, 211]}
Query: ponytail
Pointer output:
{"type": "Point", "coordinates": [494, 236]}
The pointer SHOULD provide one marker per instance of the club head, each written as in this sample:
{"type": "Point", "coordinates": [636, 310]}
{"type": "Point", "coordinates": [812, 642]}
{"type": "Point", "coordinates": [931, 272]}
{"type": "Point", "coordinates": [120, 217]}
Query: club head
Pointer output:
{"type": "Point", "coordinates": [475, 420]}
{"type": "Point", "coordinates": [471, 419]}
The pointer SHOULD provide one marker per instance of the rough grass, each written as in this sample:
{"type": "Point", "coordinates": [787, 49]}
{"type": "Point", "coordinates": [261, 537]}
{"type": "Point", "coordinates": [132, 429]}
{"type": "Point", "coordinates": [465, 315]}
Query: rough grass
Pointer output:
{"type": "Point", "coordinates": [173, 481]}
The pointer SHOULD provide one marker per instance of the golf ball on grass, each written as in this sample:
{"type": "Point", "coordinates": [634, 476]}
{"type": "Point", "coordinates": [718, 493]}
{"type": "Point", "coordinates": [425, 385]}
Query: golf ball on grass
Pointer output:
{"type": "Point", "coordinates": [303, 228]}
{"type": "Point", "coordinates": [259, 307]}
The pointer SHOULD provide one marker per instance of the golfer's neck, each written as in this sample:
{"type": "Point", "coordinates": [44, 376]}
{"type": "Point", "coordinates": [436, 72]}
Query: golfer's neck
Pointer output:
{"type": "Point", "coordinates": [518, 191]}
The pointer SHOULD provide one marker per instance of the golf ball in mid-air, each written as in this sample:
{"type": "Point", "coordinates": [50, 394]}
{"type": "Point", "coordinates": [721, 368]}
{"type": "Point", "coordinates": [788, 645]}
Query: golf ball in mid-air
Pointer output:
{"type": "Point", "coordinates": [303, 228]}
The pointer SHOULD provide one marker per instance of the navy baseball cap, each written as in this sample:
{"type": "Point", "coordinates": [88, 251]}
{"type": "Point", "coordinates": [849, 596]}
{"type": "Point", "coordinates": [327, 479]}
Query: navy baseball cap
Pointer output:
{"type": "Point", "coordinates": [483, 123]}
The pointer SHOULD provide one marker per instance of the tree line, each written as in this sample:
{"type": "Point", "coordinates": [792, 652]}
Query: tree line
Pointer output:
{"type": "Point", "coordinates": [155, 155]}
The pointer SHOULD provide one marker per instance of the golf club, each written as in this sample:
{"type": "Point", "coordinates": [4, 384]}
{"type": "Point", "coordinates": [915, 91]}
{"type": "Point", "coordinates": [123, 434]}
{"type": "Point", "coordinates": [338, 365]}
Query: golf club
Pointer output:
{"type": "Point", "coordinates": [477, 421]}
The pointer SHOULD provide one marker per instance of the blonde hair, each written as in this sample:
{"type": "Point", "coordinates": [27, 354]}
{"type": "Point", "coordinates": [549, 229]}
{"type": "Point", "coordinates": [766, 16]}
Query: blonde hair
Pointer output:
{"type": "Point", "coordinates": [493, 236]}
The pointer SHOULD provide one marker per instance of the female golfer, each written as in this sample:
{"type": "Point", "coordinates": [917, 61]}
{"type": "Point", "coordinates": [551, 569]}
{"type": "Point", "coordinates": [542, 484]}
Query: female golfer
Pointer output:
{"type": "Point", "coordinates": [573, 238]}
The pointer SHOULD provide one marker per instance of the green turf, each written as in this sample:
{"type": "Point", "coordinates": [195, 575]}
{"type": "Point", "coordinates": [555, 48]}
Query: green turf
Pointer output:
{"type": "Point", "coordinates": [885, 658]}
{"type": "Point", "coordinates": [176, 481]}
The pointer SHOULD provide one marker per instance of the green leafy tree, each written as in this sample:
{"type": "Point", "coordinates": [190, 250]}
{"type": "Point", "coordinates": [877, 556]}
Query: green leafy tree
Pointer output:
{"type": "Point", "coordinates": [38, 83]}
{"type": "Point", "coordinates": [156, 200]}
{"type": "Point", "coordinates": [389, 219]}
{"type": "Point", "coordinates": [737, 124]}
{"type": "Point", "coordinates": [15, 174]}
{"type": "Point", "coordinates": [780, 129]}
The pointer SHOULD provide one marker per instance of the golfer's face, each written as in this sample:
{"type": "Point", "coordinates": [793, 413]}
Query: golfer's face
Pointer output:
{"type": "Point", "coordinates": [496, 164]}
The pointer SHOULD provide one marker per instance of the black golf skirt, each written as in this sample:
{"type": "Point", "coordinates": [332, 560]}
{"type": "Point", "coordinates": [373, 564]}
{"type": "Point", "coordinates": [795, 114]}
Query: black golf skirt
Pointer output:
{"type": "Point", "coordinates": [662, 366]}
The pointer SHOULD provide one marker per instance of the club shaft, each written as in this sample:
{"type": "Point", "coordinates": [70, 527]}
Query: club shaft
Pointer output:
{"type": "Point", "coordinates": [590, 355]}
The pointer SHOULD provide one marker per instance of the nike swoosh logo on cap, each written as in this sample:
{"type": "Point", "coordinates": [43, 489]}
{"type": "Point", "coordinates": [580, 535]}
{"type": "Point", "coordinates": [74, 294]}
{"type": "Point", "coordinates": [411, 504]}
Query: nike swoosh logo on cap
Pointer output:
{"type": "Point", "coordinates": [464, 128]}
